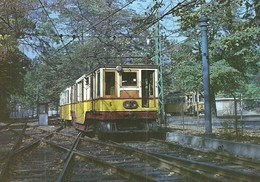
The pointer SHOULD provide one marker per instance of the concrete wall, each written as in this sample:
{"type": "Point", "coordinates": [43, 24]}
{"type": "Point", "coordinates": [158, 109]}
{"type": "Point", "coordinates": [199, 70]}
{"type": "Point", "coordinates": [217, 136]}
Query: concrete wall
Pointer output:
{"type": "Point", "coordinates": [235, 148]}
{"type": "Point", "coordinates": [225, 107]}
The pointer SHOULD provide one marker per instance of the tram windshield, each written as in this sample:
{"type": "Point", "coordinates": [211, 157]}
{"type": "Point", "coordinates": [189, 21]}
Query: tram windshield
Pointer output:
{"type": "Point", "coordinates": [129, 79]}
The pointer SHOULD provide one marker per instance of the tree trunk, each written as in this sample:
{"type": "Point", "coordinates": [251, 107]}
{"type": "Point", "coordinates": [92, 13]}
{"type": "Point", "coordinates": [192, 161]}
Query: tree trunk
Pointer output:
{"type": "Point", "coordinates": [197, 104]}
{"type": "Point", "coordinates": [257, 12]}
{"type": "Point", "coordinates": [32, 111]}
{"type": "Point", "coordinates": [4, 113]}
{"type": "Point", "coordinates": [57, 109]}
{"type": "Point", "coordinates": [235, 112]}
{"type": "Point", "coordinates": [213, 102]}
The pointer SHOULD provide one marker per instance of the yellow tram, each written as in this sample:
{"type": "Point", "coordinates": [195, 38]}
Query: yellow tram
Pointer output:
{"type": "Point", "coordinates": [191, 103]}
{"type": "Point", "coordinates": [113, 99]}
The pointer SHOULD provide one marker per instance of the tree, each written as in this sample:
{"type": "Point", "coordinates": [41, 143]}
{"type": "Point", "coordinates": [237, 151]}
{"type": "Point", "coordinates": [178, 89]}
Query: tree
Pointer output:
{"type": "Point", "coordinates": [13, 66]}
{"type": "Point", "coordinates": [184, 72]}
{"type": "Point", "coordinates": [15, 26]}
{"type": "Point", "coordinates": [77, 43]}
{"type": "Point", "coordinates": [233, 44]}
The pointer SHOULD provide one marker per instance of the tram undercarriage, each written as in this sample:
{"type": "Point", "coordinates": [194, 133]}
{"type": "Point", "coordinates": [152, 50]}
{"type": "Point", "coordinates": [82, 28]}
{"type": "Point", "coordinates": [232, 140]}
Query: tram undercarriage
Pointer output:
{"type": "Point", "coordinates": [122, 129]}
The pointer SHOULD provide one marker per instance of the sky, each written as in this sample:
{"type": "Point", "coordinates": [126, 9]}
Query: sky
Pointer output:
{"type": "Point", "coordinates": [140, 6]}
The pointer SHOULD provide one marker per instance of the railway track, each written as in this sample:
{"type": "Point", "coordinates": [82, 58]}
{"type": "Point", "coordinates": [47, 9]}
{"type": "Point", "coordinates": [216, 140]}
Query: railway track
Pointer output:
{"type": "Point", "coordinates": [220, 166]}
{"type": "Point", "coordinates": [62, 154]}
{"type": "Point", "coordinates": [38, 155]}
{"type": "Point", "coordinates": [24, 161]}
{"type": "Point", "coordinates": [8, 140]}
{"type": "Point", "coordinates": [129, 167]}
{"type": "Point", "coordinates": [215, 155]}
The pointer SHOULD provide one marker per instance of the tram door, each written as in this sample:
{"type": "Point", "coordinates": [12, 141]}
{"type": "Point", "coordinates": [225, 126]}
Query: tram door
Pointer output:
{"type": "Point", "coordinates": [147, 86]}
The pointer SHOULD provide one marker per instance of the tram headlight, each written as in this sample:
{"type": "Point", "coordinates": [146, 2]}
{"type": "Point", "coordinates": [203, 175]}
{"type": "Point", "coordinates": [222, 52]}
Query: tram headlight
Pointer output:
{"type": "Point", "coordinates": [127, 104]}
{"type": "Point", "coordinates": [130, 104]}
{"type": "Point", "coordinates": [134, 104]}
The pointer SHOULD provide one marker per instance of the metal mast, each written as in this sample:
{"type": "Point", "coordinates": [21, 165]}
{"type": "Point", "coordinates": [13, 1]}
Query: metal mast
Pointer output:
{"type": "Point", "coordinates": [161, 116]}
{"type": "Point", "coordinates": [204, 49]}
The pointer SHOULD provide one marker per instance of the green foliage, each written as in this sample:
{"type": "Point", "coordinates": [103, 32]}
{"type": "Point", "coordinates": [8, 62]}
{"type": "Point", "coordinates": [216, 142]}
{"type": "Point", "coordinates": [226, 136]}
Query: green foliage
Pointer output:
{"type": "Point", "coordinates": [233, 45]}
{"type": "Point", "coordinates": [81, 36]}
{"type": "Point", "coordinates": [13, 66]}
{"type": "Point", "coordinates": [252, 91]}
{"type": "Point", "coordinates": [184, 72]}
{"type": "Point", "coordinates": [225, 78]}
{"type": "Point", "coordinates": [60, 64]}
{"type": "Point", "coordinates": [229, 132]}
{"type": "Point", "coordinates": [15, 25]}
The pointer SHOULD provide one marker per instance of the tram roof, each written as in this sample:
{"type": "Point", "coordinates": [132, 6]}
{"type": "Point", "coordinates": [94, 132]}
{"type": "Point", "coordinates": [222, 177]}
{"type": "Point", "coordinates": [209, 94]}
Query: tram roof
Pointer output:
{"type": "Point", "coordinates": [144, 66]}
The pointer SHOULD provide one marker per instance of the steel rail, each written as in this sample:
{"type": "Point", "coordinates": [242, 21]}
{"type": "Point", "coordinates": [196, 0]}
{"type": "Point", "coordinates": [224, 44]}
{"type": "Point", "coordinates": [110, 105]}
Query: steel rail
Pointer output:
{"type": "Point", "coordinates": [6, 125]}
{"type": "Point", "coordinates": [163, 163]}
{"type": "Point", "coordinates": [217, 155]}
{"type": "Point", "coordinates": [115, 169]}
{"type": "Point", "coordinates": [177, 167]}
{"type": "Point", "coordinates": [132, 176]}
{"type": "Point", "coordinates": [39, 138]}
{"type": "Point", "coordinates": [122, 172]}
{"type": "Point", "coordinates": [206, 167]}
{"type": "Point", "coordinates": [11, 154]}
{"type": "Point", "coordinates": [210, 168]}
{"type": "Point", "coordinates": [34, 143]}
{"type": "Point", "coordinates": [68, 158]}
{"type": "Point", "coordinates": [31, 145]}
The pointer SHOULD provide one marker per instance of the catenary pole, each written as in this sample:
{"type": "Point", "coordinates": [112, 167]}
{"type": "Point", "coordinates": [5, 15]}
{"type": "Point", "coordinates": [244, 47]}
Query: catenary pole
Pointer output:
{"type": "Point", "coordinates": [204, 49]}
{"type": "Point", "coordinates": [161, 114]}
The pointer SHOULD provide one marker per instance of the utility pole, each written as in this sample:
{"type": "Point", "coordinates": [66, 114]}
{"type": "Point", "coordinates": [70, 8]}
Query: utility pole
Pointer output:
{"type": "Point", "coordinates": [204, 49]}
{"type": "Point", "coordinates": [161, 114]}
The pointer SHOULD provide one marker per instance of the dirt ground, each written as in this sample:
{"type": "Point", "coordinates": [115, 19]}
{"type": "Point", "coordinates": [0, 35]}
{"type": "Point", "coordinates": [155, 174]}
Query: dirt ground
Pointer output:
{"type": "Point", "coordinates": [249, 128]}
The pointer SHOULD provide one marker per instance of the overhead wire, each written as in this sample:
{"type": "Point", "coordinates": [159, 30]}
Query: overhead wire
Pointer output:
{"type": "Point", "coordinates": [65, 45]}
{"type": "Point", "coordinates": [30, 44]}
{"type": "Point", "coordinates": [110, 15]}
{"type": "Point", "coordinates": [45, 60]}
{"type": "Point", "coordinates": [94, 28]}
{"type": "Point", "coordinates": [107, 17]}
{"type": "Point", "coordinates": [55, 28]}
{"type": "Point", "coordinates": [172, 10]}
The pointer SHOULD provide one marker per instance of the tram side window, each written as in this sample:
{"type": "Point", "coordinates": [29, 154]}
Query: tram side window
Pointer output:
{"type": "Point", "coordinates": [87, 80]}
{"type": "Point", "coordinates": [62, 99]}
{"type": "Point", "coordinates": [92, 86]}
{"type": "Point", "coordinates": [72, 94]}
{"type": "Point", "coordinates": [67, 97]}
{"type": "Point", "coordinates": [109, 83]}
{"type": "Point", "coordinates": [75, 93]}
{"type": "Point", "coordinates": [80, 91]}
{"type": "Point", "coordinates": [129, 79]}
{"type": "Point", "coordinates": [98, 84]}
